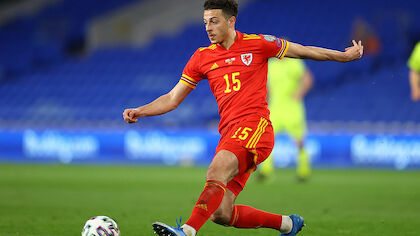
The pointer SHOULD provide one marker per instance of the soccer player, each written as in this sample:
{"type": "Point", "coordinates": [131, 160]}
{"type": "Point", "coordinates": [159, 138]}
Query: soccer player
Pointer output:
{"type": "Point", "coordinates": [414, 65]}
{"type": "Point", "coordinates": [235, 64]}
{"type": "Point", "coordinates": [288, 83]}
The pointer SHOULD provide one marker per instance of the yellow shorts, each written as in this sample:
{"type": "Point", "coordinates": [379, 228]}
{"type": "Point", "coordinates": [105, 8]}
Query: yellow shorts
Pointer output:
{"type": "Point", "coordinates": [290, 119]}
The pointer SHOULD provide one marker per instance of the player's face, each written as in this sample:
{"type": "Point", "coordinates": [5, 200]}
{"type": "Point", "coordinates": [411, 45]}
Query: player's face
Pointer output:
{"type": "Point", "coordinates": [217, 25]}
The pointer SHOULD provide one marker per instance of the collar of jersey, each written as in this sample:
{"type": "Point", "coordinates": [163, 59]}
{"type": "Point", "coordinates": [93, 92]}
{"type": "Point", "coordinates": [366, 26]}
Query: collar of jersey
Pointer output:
{"type": "Point", "coordinates": [239, 37]}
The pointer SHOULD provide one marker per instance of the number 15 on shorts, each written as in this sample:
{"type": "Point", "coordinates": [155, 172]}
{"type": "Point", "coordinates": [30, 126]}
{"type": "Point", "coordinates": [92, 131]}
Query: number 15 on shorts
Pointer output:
{"type": "Point", "coordinates": [242, 133]}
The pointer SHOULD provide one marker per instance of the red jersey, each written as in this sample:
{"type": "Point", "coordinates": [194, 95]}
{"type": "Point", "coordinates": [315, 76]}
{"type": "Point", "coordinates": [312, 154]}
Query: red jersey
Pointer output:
{"type": "Point", "coordinates": [237, 76]}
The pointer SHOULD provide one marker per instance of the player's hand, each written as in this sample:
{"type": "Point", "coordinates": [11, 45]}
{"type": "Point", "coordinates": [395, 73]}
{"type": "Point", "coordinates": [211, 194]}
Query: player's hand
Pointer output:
{"type": "Point", "coordinates": [354, 52]}
{"type": "Point", "coordinates": [298, 96]}
{"type": "Point", "coordinates": [130, 115]}
{"type": "Point", "coordinates": [415, 95]}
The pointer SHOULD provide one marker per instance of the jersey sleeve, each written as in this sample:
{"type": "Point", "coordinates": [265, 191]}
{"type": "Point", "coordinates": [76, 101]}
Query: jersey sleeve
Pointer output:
{"type": "Point", "coordinates": [414, 61]}
{"type": "Point", "coordinates": [191, 74]}
{"type": "Point", "coordinates": [274, 47]}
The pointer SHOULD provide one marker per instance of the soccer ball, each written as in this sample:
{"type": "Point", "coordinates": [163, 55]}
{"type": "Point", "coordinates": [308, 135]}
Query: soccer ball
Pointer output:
{"type": "Point", "coordinates": [101, 226]}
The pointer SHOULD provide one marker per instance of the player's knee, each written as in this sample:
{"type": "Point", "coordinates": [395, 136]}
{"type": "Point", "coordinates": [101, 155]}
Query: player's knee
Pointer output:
{"type": "Point", "coordinates": [221, 217]}
{"type": "Point", "coordinates": [223, 167]}
{"type": "Point", "coordinates": [213, 173]}
{"type": "Point", "coordinates": [299, 143]}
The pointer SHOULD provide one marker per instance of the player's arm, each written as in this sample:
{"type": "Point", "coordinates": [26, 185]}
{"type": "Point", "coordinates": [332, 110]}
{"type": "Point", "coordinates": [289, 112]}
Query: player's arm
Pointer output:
{"type": "Point", "coordinates": [322, 54]}
{"type": "Point", "coordinates": [414, 75]}
{"type": "Point", "coordinates": [161, 105]}
{"type": "Point", "coordinates": [415, 85]}
{"type": "Point", "coordinates": [306, 84]}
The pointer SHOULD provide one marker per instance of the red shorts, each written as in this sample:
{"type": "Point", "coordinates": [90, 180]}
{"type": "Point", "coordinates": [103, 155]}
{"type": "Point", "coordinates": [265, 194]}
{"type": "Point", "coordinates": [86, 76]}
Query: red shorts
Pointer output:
{"type": "Point", "coordinates": [251, 140]}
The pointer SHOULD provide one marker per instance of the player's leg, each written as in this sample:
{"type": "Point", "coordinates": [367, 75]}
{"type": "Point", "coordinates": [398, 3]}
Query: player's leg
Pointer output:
{"type": "Point", "coordinates": [303, 163]}
{"type": "Point", "coordinates": [242, 216]}
{"type": "Point", "coordinates": [247, 217]}
{"type": "Point", "coordinates": [223, 168]}
{"type": "Point", "coordinates": [298, 133]}
{"type": "Point", "coordinates": [296, 130]}
{"type": "Point", "coordinates": [266, 169]}
{"type": "Point", "coordinates": [223, 214]}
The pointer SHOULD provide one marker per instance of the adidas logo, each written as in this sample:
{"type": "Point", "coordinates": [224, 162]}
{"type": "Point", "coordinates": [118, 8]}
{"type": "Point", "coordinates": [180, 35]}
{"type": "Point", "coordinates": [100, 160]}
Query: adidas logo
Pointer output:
{"type": "Point", "coordinates": [215, 66]}
{"type": "Point", "coordinates": [202, 206]}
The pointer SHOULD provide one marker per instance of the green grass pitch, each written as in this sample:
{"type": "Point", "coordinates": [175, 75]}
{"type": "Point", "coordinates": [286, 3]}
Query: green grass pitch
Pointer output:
{"type": "Point", "coordinates": [56, 200]}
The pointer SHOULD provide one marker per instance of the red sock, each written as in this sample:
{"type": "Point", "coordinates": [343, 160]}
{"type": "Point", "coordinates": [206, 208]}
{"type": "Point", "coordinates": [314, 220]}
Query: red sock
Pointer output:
{"type": "Point", "coordinates": [248, 217]}
{"type": "Point", "coordinates": [207, 204]}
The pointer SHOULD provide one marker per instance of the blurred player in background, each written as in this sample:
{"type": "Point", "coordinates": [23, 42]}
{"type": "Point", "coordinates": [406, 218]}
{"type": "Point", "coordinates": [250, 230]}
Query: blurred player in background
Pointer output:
{"type": "Point", "coordinates": [235, 64]}
{"type": "Point", "coordinates": [288, 82]}
{"type": "Point", "coordinates": [414, 65]}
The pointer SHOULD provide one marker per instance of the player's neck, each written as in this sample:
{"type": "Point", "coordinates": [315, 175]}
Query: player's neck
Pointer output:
{"type": "Point", "coordinates": [230, 39]}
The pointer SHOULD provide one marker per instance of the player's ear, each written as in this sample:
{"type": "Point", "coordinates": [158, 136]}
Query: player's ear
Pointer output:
{"type": "Point", "coordinates": [232, 20]}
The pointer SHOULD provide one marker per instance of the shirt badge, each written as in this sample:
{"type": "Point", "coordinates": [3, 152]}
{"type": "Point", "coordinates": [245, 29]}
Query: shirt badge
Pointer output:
{"type": "Point", "coordinates": [246, 58]}
{"type": "Point", "coordinates": [269, 38]}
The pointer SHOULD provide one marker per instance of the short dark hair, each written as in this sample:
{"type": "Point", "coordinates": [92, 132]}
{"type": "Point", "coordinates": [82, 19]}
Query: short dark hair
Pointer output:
{"type": "Point", "coordinates": [229, 7]}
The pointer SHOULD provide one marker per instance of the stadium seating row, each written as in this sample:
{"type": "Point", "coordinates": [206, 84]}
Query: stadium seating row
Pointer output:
{"type": "Point", "coordinates": [52, 86]}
